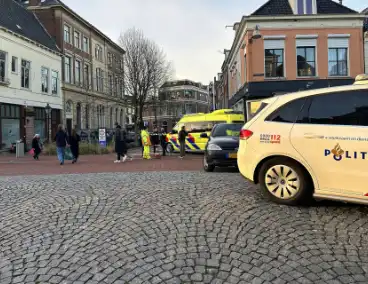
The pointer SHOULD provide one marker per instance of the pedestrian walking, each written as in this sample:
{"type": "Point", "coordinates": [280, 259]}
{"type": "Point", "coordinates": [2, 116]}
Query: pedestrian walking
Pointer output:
{"type": "Point", "coordinates": [155, 139]}
{"type": "Point", "coordinates": [182, 137]}
{"type": "Point", "coordinates": [36, 146]}
{"type": "Point", "coordinates": [61, 139]}
{"type": "Point", "coordinates": [124, 136]}
{"type": "Point", "coordinates": [118, 143]}
{"type": "Point", "coordinates": [74, 140]}
{"type": "Point", "coordinates": [163, 141]}
{"type": "Point", "coordinates": [146, 142]}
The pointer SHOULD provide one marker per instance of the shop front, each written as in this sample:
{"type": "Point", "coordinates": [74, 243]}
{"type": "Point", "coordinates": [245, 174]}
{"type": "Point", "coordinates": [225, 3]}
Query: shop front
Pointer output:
{"type": "Point", "coordinates": [10, 125]}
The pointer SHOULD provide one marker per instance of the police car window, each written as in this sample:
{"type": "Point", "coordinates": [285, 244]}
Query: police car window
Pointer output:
{"type": "Point", "coordinates": [343, 108]}
{"type": "Point", "coordinates": [287, 113]}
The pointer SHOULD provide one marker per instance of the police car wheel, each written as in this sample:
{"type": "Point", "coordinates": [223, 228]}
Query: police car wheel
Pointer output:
{"type": "Point", "coordinates": [206, 166]}
{"type": "Point", "coordinates": [169, 148]}
{"type": "Point", "coordinates": [284, 181]}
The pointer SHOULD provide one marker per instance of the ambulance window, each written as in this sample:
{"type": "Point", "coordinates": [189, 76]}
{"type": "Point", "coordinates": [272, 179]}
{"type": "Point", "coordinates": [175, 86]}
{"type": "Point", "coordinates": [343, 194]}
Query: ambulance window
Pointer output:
{"type": "Point", "coordinates": [199, 127]}
{"type": "Point", "coordinates": [344, 108]}
{"type": "Point", "coordinates": [287, 113]}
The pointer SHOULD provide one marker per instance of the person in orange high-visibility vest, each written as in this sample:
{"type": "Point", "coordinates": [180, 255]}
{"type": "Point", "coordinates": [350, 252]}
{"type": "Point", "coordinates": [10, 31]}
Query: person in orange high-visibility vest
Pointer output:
{"type": "Point", "coordinates": [146, 142]}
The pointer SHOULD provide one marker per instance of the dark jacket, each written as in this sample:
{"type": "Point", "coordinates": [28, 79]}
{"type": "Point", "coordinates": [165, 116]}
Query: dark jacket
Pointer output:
{"type": "Point", "coordinates": [74, 145]}
{"type": "Point", "coordinates": [155, 138]}
{"type": "Point", "coordinates": [163, 138]}
{"type": "Point", "coordinates": [182, 135]}
{"type": "Point", "coordinates": [120, 140]}
{"type": "Point", "coordinates": [61, 139]}
{"type": "Point", "coordinates": [36, 145]}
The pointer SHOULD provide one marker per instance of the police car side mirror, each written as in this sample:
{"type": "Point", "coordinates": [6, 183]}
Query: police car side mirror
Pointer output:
{"type": "Point", "coordinates": [204, 135]}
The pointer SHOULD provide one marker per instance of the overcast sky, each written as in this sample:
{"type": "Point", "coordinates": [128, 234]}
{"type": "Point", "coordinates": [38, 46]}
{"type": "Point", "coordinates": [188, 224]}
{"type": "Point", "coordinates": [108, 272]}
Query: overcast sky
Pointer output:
{"type": "Point", "coordinates": [192, 32]}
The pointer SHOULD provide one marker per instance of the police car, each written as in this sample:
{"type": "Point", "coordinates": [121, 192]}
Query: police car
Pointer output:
{"type": "Point", "coordinates": [309, 144]}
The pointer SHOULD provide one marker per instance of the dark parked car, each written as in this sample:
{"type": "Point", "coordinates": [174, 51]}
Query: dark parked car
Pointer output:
{"type": "Point", "coordinates": [222, 146]}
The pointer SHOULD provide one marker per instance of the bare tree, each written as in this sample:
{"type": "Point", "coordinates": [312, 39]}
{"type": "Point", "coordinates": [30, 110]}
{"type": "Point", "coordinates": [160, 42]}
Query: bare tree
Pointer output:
{"type": "Point", "coordinates": [146, 69]}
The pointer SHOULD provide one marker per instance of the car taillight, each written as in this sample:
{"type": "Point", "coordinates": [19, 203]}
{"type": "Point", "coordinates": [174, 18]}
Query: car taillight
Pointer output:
{"type": "Point", "coordinates": [245, 134]}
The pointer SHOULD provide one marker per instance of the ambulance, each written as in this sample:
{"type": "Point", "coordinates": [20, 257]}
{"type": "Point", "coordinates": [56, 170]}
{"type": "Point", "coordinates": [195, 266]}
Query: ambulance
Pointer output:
{"type": "Point", "coordinates": [198, 123]}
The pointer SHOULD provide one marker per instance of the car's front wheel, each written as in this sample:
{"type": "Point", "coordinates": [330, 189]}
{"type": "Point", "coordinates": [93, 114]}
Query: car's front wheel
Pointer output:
{"type": "Point", "coordinates": [169, 148]}
{"type": "Point", "coordinates": [206, 166]}
{"type": "Point", "coordinates": [285, 182]}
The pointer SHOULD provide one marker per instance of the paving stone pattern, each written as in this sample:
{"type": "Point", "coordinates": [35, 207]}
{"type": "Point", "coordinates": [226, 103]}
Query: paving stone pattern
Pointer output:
{"type": "Point", "coordinates": [171, 227]}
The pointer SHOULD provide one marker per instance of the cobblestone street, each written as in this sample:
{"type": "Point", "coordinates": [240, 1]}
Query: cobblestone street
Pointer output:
{"type": "Point", "coordinates": [172, 227]}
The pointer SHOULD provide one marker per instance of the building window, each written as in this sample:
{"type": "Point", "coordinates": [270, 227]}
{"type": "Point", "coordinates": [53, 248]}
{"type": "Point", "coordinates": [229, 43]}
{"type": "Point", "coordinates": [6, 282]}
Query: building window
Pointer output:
{"type": "Point", "coordinates": [306, 61]}
{"type": "Point", "coordinates": [109, 59]}
{"type": "Point", "coordinates": [121, 64]}
{"type": "Point", "coordinates": [67, 34]}
{"type": "Point", "coordinates": [2, 66]}
{"type": "Point", "coordinates": [116, 86]}
{"type": "Point", "coordinates": [77, 71]}
{"type": "Point", "coordinates": [85, 44]}
{"type": "Point", "coordinates": [121, 87]}
{"type": "Point", "coordinates": [274, 63]}
{"type": "Point", "coordinates": [54, 82]}
{"type": "Point", "coordinates": [305, 7]}
{"type": "Point", "coordinates": [14, 64]}
{"type": "Point", "coordinates": [77, 39]}
{"type": "Point", "coordinates": [111, 84]}
{"type": "Point", "coordinates": [98, 52]}
{"type": "Point", "coordinates": [67, 69]}
{"type": "Point", "coordinates": [338, 62]}
{"type": "Point", "coordinates": [86, 76]}
{"type": "Point", "coordinates": [26, 67]}
{"type": "Point", "coordinates": [99, 79]}
{"type": "Point", "coordinates": [44, 80]}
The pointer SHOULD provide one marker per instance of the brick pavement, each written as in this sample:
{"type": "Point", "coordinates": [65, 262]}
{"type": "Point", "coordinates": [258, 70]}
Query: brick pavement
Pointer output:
{"type": "Point", "coordinates": [172, 227]}
{"type": "Point", "coordinates": [9, 165]}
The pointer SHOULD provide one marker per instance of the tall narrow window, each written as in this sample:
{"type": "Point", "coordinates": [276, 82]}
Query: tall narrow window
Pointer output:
{"type": "Point", "coordinates": [111, 84]}
{"type": "Point", "coordinates": [2, 66]}
{"type": "Point", "coordinates": [85, 44]}
{"type": "Point", "coordinates": [77, 40]}
{"type": "Point", "coordinates": [338, 62]}
{"type": "Point", "coordinates": [26, 67]}
{"type": "Point", "coordinates": [67, 34]}
{"type": "Point", "coordinates": [86, 76]}
{"type": "Point", "coordinates": [14, 64]}
{"type": "Point", "coordinates": [67, 69]}
{"type": "Point", "coordinates": [44, 80]}
{"type": "Point", "coordinates": [54, 82]}
{"type": "Point", "coordinates": [77, 72]}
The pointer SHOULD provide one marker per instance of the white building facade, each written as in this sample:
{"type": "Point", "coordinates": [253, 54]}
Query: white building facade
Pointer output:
{"type": "Point", "coordinates": [29, 81]}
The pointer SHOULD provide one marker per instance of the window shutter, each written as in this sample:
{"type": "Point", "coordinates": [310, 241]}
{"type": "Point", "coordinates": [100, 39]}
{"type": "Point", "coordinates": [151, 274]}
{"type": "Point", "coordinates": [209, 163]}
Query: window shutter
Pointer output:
{"type": "Point", "coordinates": [274, 44]}
{"type": "Point", "coordinates": [306, 42]}
{"type": "Point", "coordinates": [338, 42]}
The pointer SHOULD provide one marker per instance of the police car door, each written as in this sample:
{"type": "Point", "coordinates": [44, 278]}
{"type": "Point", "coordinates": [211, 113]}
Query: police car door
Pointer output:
{"type": "Point", "coordinates": [333, 138]}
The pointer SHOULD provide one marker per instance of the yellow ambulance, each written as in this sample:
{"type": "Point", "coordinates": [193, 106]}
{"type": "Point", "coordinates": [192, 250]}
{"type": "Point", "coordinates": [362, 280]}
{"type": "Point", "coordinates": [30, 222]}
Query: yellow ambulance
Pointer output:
{"type": "Point", "coordinates": [198, 123]}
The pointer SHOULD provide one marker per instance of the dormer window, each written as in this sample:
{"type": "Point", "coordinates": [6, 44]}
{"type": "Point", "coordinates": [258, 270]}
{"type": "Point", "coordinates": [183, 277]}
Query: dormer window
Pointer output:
{"type": "Point", "coordinates": [306, 7]}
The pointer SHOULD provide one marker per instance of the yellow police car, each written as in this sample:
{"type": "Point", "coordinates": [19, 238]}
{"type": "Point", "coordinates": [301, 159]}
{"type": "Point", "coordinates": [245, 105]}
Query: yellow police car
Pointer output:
{"type": "Point", "coordinates": [310, 144]}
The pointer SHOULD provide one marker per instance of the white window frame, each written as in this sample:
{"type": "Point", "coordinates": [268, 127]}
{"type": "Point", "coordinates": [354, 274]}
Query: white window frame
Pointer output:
{"type": "Point", "coordinates": [77, 79]}
{"type": "Point", "coordinates": [271, 43]}
{"type": "Point", "coordinates": [15, 58]}
{"type": "Point", "coordinates": [339, 41]}
{"type": "Point", "coordinates": [57, 82]}
{"type": "Point", "coordinates": [70, 78]}
{"type": "Point", "coordinates": [85, 46]}
{"type": "Point", "coordinates": [98, 52]}
{"type": "Point", "coordinates": [69, 29]}
{"type": "Point", "coordinates": [5, 65]}
{"type": "Point", "coordinates": [87, 79]}
{"type": "Point", "coordinates": [29, 74]}
{"type": "Point", "coordinates": [46, 80]}
{"type": "Point", "coordinates": [314, 7]}
{"type": "Point", "coordinates": [307, 41]}
{"type": "Point", "coordinates": [111, 83]}
{"type": "Point", "coordinates": [77, 39]}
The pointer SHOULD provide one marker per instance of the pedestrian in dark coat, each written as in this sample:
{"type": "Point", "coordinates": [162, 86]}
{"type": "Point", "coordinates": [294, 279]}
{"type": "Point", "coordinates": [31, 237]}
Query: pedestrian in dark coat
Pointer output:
{"type": "Point", "coordinates": [36, 146]}
{"type": "Point", "coordinates": [119, 145]}
{"type": "Point", "coordinates": [74, 140]}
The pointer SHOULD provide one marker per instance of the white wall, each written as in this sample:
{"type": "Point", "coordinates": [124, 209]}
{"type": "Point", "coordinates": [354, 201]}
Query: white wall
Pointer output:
{"type": "Point", "coordinates": [39, 57]}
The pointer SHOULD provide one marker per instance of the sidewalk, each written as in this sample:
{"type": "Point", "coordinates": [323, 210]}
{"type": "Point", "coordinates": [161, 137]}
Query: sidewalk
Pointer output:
{"type": "Point", "coordinates": [47, 165]}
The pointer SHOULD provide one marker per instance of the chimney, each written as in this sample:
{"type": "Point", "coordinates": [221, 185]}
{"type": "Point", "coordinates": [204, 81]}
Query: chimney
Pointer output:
{"type": "Point", "coordinates": [34, 2]}
{"type": "Point", "coordinates": [340, 1]}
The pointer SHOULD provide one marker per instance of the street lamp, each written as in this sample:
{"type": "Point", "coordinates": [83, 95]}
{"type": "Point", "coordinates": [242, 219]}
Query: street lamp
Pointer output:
{"type": "Point", "coordinates": [48, 113]}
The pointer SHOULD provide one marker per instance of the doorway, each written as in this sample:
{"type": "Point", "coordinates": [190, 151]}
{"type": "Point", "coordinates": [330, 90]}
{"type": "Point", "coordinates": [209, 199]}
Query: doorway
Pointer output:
{"type": "Point", "coordinates": [69, 125]}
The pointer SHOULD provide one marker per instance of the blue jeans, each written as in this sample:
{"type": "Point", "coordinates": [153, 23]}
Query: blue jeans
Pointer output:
{"type": "Point", "coordinates": [60, 154]}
